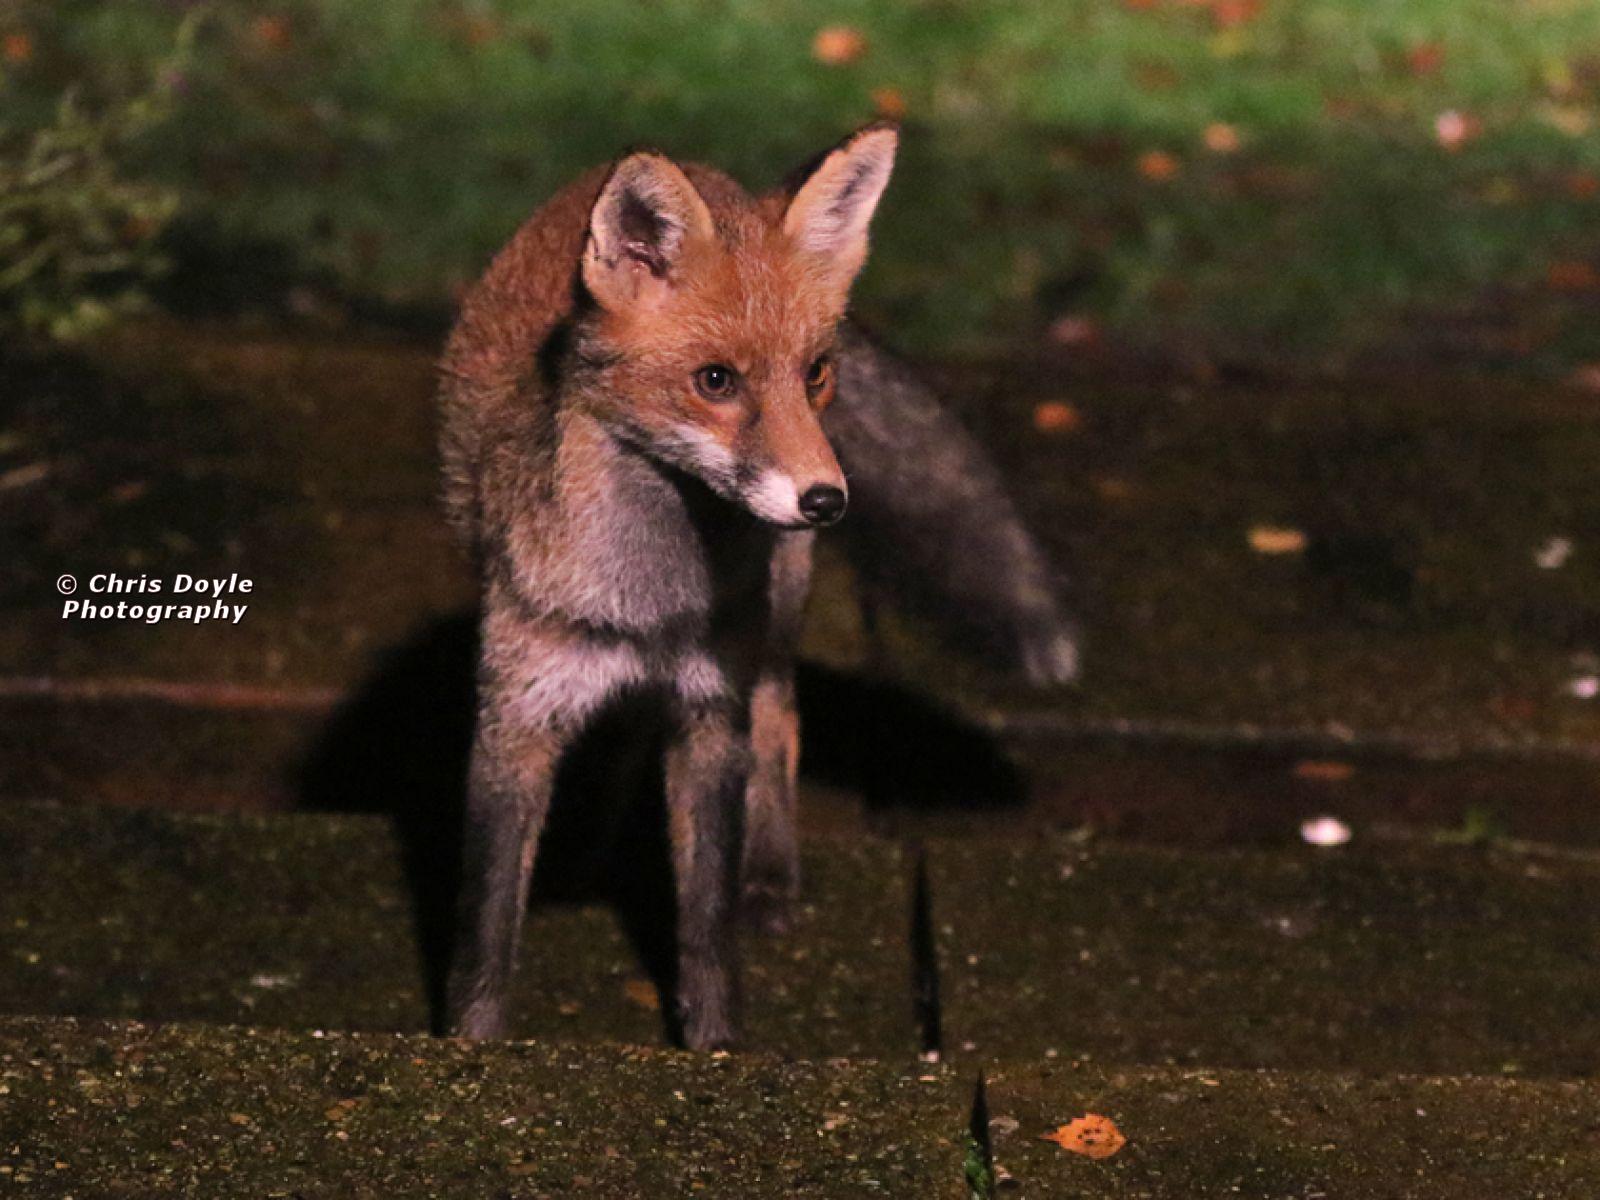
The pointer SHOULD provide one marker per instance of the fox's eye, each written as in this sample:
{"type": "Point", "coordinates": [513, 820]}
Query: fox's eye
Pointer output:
{"type": "Point", "coordinates": [716, 382]}
{"type": "Point", "coordinates": [818, 374]}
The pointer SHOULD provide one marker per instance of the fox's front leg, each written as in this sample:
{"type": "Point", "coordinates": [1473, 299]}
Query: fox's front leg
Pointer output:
{"type": "Point", "coordinates": [508, 797]}
{"type": "Point", "coordinates": [539, 686]}
{"type": "Point", "coordinates": [706, 767]}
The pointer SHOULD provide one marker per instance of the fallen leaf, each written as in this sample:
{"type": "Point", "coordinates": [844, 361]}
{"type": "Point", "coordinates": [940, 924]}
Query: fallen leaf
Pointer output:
{"type": "Point", "coordinates": [1425, 58]}
{"type": "Point", "coordinates": [1571, 119]}
{"type": "Point", "coordinates": [17, 48]}
{"type": "Point", "coordinates": [1511, 707]}
{"type": "Point", "coordinates": [1090, 1135]}
{"type": "Point", "coordinates": [1586, 377]}
{"type": "Point", "coordinates": [1230, 14]}
{"type": "Point", "coordinates": [889, 103]}
{"type": "Point", "coordinates": [1454, 129]}
{"type": "Point", "coordinates": [1074, 331]}
{"type": "Point", "coordinates": [1556, 74]}
{"type": "Point", "coordinates": [20, 477]}
{"type": "Point", "coordinates": [1229, 43]}
{"type": "Point", "coordinates": [1572, 276]}
{"type": "Point", "coordinates": [273, 32]}
{"type": "Point", "coordinates": [1323, 771]}
{"type": "Point", "coordinates": [1159, 166]}
{"type": "Point", "coordinates": [838, 45]}
{"type": "Point", "coordinates": [1324, 831]}
{"type": "Point", "coordinates": [643, 993]}
{"type": "Point", "coordinates": [1055, 416]}
{"type": "Point", "coordinates": [1552, 554]}
{"type": "Point", "coordinates": [341, 1109]}
{"type": "Point", "coordinates": [1109, 487]}
{"type": "Point", "coordinates": [1221, 138]}
{"type": "Point", "coordinates": [1276, 539]}
{"type": "Point", "coordinates": [1582, 185]}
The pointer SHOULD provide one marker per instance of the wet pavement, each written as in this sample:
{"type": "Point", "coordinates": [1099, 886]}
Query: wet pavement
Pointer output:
{"type": "Point", "coordinates": [1369, 602]}
{"type": "Point", "coordinates": [1399, 959]}
{"type": "Point", "coordinates": [1365, 1025]}
{"type": "Point", "coordinates": [1376, 601]}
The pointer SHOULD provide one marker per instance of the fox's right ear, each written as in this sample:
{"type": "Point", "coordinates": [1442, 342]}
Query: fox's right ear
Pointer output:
{"type": "Point", "coordinates": [645, 216]}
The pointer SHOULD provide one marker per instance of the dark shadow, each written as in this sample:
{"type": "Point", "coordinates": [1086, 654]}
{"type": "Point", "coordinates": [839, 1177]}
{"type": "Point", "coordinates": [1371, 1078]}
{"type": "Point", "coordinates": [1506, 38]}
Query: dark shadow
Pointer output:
{"type": "Point", "coordinates": [400, 746]}
{"type": "Point", "coordinates": [898, 747]}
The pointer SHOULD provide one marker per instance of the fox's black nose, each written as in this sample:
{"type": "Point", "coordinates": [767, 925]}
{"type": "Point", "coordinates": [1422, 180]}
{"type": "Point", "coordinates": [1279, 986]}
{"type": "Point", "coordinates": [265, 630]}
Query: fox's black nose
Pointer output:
{"type": "Point", "coordinates": [822, 504]}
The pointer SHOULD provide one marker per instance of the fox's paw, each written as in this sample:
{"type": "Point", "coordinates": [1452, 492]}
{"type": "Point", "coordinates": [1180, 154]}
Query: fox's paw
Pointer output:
{"type": "Point", "coordinates": [706, 1022]}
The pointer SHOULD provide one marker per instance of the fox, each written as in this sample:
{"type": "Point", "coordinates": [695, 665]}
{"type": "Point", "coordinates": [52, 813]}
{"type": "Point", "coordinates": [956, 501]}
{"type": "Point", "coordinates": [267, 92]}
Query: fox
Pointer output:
{"type": "Point", "coordinates": [652, 401]}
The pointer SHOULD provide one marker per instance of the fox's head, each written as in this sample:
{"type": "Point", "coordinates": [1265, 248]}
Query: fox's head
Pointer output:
{"type": "Point", "coordinates": [709, 343]}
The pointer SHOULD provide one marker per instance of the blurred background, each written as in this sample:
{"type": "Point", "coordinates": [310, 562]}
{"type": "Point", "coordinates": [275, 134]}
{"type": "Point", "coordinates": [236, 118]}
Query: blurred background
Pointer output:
{"type": "Point", "coordinates": [1280, 318]}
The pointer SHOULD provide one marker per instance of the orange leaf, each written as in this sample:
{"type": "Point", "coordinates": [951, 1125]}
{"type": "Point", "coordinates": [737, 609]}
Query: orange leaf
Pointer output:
{"type": "Point", "coordinates": [1425, 58]}
{"type": "Point", "coordinates": [1109, 487]}
{"type": "Point", "coordinates": [1572, 276]}
{"type": "Point", "coordinates": [1159, 166]}
{"type": "Point", "coordinates": [18, 48]}
{"type": "Point", "coordinates": [1581, 185]}
{"type": "Point", "coordinates": [1089, 1135]}
{"type": "Point", "coordinates": [887, 102]}
{"type": "Point", "coordinates": [273, 32]}
{"type": "Point", "coordinates": [1331, 771]}
{"type": "Point", "coordinates": [1276, 539]}
{"type": "Point", "coordinates": [838, 45]}
{"type": "Point", "coordinates": [643, 993]}
{"type": "Point", "coordinates": [1056, 416]}
{"type": "Point", "coordinates": [1230, 14]}
{"type": "Point", "coordinates": [1221, 138]}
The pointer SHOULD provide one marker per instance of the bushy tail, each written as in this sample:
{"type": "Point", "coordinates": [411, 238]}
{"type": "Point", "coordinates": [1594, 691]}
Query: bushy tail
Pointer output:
{"type": "Point", "coordinates": [931, 524]}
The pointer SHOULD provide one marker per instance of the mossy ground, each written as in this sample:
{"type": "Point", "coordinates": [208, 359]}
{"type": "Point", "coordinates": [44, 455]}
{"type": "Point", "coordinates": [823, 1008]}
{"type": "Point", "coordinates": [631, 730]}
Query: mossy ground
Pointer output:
{"type": "Point", "coordinates": [1434, 961]}
{"type": "Point", "coordinates": [1416, 612]}
{"type": "Point", "coordinates": [113, 1109]}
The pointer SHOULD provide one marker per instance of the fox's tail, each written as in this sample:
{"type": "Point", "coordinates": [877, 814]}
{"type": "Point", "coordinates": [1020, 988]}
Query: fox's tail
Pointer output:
{"type": "Point", "coordinates": [930, 521]}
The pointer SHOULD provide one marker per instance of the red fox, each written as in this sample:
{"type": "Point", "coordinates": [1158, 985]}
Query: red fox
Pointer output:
{"type": "Point", "coordinates": [636, 448]}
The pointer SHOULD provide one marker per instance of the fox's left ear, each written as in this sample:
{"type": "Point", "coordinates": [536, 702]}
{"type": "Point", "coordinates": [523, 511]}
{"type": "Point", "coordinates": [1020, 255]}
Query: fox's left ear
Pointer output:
{"type": "Point", "coordinates": [829, 213]}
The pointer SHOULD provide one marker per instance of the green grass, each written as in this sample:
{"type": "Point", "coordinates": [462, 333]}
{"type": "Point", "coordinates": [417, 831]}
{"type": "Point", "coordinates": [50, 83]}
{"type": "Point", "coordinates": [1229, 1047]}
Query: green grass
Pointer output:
{"type": "Point", "coordinates": [396, 144]}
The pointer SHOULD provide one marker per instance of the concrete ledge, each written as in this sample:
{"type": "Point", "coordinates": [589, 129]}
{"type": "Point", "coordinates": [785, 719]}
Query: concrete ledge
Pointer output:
{"type": "Point", "coordinates": [109, 1109]}
{"type": "Point", "coordinates": [1273, 1135]}
{"type": "Point", "coordinates": [134, 1110]}
{"type": "Point", "coordinates": [1448, 961]}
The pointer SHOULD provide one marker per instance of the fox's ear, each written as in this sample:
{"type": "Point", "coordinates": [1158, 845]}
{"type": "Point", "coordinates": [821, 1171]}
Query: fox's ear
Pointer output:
{"type": "Point", "coordinates": [830, 211]}
{"type": "Point", "coordinates": [645, 216]}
